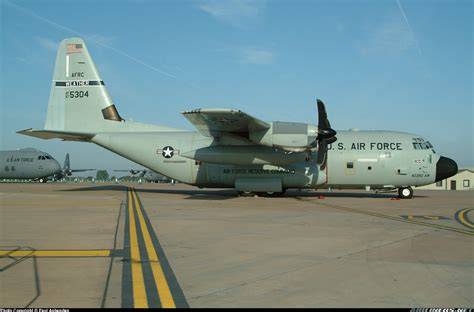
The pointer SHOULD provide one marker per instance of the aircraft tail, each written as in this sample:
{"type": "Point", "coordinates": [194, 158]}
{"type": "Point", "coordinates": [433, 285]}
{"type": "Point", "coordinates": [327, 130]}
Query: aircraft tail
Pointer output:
{"type": "Point", "coordinates": [79, 101]}
{"type": "Point", "coordinates": [67, 165]}
{"type": "Point", "coordinates": [79, 104]}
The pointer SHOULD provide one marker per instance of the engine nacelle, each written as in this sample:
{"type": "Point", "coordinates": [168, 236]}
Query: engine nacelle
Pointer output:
{"type": "Point", "coordinates": [289, 136]}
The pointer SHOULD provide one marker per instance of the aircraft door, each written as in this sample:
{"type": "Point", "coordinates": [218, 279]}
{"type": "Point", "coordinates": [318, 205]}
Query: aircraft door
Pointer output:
{"type": "Point", "coordinates": [383, 158]}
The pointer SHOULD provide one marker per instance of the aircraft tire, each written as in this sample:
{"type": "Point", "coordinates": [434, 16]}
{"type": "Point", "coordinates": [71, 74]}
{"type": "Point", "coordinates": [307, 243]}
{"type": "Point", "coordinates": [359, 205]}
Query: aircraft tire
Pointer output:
{"type": "Point", "coordinates": [274, 194]}
{"type": "Point", "coordinates": [269, 194]}
{"type": "Point", "coordinates": [405, 192]}
{"type": "Point", "coordinates": [246, 194]}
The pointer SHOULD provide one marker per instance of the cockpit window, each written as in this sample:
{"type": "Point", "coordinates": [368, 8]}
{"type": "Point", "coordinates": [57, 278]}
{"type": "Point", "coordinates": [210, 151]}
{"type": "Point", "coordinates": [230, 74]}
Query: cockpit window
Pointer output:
{"type": "Point", "coordinates": [419, 143]}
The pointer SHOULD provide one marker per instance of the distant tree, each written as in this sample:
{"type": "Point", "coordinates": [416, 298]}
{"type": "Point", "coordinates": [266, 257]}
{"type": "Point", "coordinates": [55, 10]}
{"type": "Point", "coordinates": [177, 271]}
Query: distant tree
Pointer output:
{"type": "Point", "coordinates": [102, 175]}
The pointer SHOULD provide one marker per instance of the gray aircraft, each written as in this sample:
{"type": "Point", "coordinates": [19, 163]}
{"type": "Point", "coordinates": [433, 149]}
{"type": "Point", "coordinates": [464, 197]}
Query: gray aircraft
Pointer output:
{"type": "Point", "coordinates": [148, 175]}
{"type": "Point", "coordinates": [27, 163]}
{"type": "Point", "coordinates": [233, 149]}
{"type": "Point", "coordinates": [66, 170]}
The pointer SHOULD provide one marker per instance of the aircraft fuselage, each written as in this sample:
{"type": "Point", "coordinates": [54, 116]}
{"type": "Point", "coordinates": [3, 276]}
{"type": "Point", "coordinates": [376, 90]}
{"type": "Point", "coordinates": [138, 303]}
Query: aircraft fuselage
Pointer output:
{"type": "Point", "coordinates": [27, 164]}
{"type": "Point", "coordinates": [379, 159]}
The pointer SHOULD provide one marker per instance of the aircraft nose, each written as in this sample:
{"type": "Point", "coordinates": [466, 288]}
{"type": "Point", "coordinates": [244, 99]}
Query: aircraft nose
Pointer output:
{"type": "Point", "coordinates": [445, 168]}
{"type": "Point", "coordinates": [54, 166]}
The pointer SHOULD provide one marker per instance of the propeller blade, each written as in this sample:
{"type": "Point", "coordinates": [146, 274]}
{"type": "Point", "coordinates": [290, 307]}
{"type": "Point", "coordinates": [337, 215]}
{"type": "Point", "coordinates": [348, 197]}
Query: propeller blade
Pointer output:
{"type": "Point", "coordinates": [331, 140]}
{"type": "Point", "coordinates": [322, 150]}
{"type": "Point", "coordinates": [322, 115]}
{"type": "Point", "coordinates": [326, 135]}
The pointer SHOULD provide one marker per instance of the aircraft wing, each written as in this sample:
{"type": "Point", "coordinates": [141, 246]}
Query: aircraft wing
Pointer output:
{"type": "Point", "coordinates": [217, 121]}
{"type": "Point", "coordinates": [81, 170]}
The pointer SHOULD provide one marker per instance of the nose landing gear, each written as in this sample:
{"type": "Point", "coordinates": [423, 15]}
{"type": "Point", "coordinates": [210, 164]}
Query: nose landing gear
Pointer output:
{"type": "Point", "coordinates": [405, 192]}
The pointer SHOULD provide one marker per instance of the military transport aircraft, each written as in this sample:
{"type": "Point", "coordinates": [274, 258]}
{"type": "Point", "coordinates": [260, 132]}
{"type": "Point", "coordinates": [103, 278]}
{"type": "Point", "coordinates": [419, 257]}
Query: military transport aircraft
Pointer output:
{"type": "Point", "coordinates": [148, 175]}
{"type": "Point", "coordinates": [66, 170]}
{"type": "Point", "coordinates": [233, 149]}
{"type": "Point", "coordinates": [27, 163]}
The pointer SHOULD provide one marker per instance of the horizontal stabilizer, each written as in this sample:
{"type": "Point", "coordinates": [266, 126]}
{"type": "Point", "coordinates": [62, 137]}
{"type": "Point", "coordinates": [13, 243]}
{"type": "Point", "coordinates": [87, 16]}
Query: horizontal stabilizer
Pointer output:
{"type": "Point", "coordinates": [55, 134]}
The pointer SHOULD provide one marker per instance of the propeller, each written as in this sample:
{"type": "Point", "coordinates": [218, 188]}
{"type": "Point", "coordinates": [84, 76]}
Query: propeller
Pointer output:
{"type": "Point", "coordinates": [326, 135]}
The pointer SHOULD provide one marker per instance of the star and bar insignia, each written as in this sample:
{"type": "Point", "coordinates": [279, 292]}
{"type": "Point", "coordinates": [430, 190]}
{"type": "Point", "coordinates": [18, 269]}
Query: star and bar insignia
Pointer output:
{"type": "Point", "coordinates": [167, 151]}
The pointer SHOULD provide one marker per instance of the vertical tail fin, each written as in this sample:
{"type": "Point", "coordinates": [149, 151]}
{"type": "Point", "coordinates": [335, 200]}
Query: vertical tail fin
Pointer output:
{"type": "Point", "coordinates": [78, 100]}
{"type": "Point", "coordinates": [67, 165]}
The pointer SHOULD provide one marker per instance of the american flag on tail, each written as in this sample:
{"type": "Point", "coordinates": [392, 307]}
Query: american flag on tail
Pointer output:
{"type": "Point", "coordinates": [74, 48]}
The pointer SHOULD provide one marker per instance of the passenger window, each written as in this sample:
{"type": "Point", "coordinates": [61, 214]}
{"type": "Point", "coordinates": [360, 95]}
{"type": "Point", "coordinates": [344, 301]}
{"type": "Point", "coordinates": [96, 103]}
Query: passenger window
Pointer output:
{"type": "Point", "coordinates": [350, 165]}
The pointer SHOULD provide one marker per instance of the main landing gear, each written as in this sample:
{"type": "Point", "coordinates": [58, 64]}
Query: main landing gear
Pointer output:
{"type": "Point", "coordinates": [260, 194]}
{"type": "Point", "coordinates": [405, 192]}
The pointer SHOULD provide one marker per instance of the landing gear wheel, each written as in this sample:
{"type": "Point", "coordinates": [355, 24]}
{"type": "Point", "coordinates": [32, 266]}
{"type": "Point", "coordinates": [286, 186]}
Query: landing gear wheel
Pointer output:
{"type": "Point", "coordinates": [42, 180]}
{"type": "Point", "coordinates": [269, 194]}
{"type": "Point", "coordinates": [275, 194]}
{"type": "Point", "coordinates": [405, 192]}
{"type": "Point", "coordinates": [246, 194]}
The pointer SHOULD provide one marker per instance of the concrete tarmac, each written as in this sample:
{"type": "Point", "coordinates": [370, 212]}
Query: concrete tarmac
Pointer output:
{"type": "Point", "coordinates": [156, 245]}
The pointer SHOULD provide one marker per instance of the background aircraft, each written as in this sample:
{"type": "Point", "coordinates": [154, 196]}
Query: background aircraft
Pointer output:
{"type": "Point", "coordinates": [233, 149]}
{"type": "Point", "coordinates": [66, 170]}
{"type": "Point", "coordinates": [148, 175]}
{"type": "Point", "coordinates": [27, 163]}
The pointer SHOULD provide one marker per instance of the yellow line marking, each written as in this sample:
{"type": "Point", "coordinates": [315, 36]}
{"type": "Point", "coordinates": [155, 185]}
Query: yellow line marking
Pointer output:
{"type": "Point", "coordinates": [464, 220]}
{"type": "Point", "coordinates": [431, 217]}
{"type": "Point", "coordinates": [53, 204]}
{"type": "Point", "coordinates": [162, 286]}
{"type": "Point", "coordinates": [55, 253]}
{"type": "Point", "coordinates": [139, 293]}
{"type": "Point", "coordinates": [443, 227]}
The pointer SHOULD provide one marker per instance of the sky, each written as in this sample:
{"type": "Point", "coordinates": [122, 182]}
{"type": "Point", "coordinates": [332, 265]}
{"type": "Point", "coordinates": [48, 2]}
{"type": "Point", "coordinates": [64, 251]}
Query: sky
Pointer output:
{"type": "Point", "coordinates": [377, 64]}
